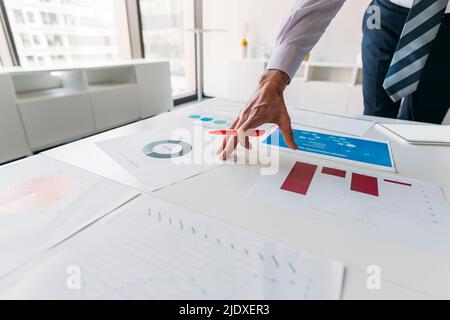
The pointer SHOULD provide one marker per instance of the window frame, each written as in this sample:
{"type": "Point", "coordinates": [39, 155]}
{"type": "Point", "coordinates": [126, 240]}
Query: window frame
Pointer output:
{"type": "Point", "coordinates": [137, 41]}
{"type": "Point", "coordinates": [8, 50]}
{"type": "Point", "coordinates": [12, 57]}
{"type": "Point", "coordinates": [9, 55]}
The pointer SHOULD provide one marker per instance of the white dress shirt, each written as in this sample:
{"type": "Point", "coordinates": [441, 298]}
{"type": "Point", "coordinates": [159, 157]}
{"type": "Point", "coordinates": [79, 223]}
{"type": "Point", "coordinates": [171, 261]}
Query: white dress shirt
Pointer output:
{"type": "Point", "coordinates": [303, 28]}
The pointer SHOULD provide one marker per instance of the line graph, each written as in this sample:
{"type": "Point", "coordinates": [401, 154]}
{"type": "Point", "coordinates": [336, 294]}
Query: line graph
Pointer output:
{"type": "Point", "coordinates": [156, 250]}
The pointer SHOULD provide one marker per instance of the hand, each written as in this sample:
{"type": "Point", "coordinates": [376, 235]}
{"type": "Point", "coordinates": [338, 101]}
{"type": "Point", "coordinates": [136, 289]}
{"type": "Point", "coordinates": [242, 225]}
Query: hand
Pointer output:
{"type": "Point", "coordinates": [267, 106]}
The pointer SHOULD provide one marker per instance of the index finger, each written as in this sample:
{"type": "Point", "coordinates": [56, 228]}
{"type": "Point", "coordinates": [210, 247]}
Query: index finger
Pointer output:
{"type": "Point", "coordinates": [227, 138]}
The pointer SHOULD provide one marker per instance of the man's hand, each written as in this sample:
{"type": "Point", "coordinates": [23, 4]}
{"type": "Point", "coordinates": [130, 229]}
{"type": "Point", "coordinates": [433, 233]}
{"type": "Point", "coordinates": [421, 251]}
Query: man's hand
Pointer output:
{"type": "Point", "coordinates": [267, 106]}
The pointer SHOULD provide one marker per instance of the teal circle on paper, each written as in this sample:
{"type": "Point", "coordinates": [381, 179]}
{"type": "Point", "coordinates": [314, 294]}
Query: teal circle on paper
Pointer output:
{"type": "Point", "coordinates": [207, 119]}
{"type": "Point", "coordinates": [220, 122]}
{"type": "Point", "coordinates": [195, 116]}
{"type": "Point", "coordinates": [149, 150]}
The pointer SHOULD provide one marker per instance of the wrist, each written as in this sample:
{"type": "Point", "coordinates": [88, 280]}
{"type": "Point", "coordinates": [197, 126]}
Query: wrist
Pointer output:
{"type": "Point", "coordinates": [275, 80]}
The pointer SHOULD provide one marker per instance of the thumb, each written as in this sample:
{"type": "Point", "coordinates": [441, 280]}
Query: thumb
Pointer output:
{"type": "Point", "coordinates": [288, 134]}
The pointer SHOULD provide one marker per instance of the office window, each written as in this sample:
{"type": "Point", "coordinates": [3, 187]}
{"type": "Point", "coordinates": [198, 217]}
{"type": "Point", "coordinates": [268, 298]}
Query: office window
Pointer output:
{"type": "Point", "coordinates": [69, 32]}
{"type": "Point", "coordinates": [31, 18]}
{"type": "Point", "coordinates": [25, 40]}
{"type": "Point", "coordinates": [49, 19]}
{"type": "Point", "coordinates": [165, 25]}
{"type": "Point", "coordinates": [30, 59]}
{"type": "Point", "coordinates": [54, 40]}
{"type": "Point", "coordinates": [18, 16]}
{"type": "Point", "coordinates": [36, 40]}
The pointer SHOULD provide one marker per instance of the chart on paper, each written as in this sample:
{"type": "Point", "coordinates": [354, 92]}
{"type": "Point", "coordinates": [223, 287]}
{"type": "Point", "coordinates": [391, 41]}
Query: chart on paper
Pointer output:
{"type": "Point", "coordinates": [155, 250]}
{"type": "Point", "coordinates": [158, 160]}
{"type": "Point", "coordinates": [44, 201]}
{"type": "Point", "coordinates": [387, 205]}
{"type": "Point", "coordinates": [210, 119]}
{"type": "Point", "coordinates": [368, 153]}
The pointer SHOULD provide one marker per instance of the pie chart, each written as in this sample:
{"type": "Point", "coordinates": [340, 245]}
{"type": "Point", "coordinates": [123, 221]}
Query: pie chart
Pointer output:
{"type": "Point", "coordinates": [167, 149]}
{"type": "Point", "coordinates": [38, 193]}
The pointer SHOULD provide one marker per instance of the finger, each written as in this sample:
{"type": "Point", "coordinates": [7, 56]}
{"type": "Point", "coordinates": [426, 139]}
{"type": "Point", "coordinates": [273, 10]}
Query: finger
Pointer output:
{"type": "Point", "coordinates": [288, 134]}
{"type": "Point", "coordinates": [247, 144]}
{"type": "Point", "coordinates": [227, 138]}
{"type": "Point", "coordinates": [243, 131]}
{"type": "Point", "coordinates": [229, 148]}
{"type": "Point", "coordinates": [231, 144]}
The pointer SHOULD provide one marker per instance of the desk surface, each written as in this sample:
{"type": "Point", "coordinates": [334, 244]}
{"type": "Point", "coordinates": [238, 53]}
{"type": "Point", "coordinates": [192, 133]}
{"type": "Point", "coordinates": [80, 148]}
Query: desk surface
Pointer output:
{"type": "Point", "coordinates": [407, 272]}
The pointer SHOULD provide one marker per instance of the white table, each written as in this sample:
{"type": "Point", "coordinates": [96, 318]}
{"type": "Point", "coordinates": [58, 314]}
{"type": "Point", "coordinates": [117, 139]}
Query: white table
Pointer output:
{"type": "Point", "coordinates": [408, 273]}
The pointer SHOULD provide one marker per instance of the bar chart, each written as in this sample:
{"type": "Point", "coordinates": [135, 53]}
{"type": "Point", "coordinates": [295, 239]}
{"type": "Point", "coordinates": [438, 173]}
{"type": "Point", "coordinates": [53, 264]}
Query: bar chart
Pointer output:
{"type": "Point", "coordinates": [301, 176]}
{"type": "Point", "coordinates": [366, 200]}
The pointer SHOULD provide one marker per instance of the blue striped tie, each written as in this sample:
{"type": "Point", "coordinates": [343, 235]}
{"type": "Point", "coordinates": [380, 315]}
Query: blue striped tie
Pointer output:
{"type": "Point", "coordinates": [416, 41]}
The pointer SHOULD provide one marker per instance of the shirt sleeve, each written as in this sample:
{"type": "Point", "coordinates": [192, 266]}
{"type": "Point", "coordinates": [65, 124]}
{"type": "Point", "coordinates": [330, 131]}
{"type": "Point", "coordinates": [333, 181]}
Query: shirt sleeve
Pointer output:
{"type": "Point", "coordinates": [300, 32]}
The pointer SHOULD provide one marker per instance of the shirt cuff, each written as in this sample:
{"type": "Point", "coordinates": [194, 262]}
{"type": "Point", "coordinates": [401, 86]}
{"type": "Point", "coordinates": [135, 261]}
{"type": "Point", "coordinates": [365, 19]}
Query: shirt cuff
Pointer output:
{"type": "Point", "coordinates": [286, 58]}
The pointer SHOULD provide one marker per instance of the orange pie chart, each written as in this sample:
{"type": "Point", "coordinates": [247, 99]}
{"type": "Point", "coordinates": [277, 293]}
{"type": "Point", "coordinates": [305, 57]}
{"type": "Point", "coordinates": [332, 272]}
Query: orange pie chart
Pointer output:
{"type": "Point", "coordinates": [38, 193]}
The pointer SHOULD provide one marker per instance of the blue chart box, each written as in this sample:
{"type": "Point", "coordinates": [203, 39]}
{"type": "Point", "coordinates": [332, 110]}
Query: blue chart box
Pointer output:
{"type": "Point", "coordinates": [370, 152]}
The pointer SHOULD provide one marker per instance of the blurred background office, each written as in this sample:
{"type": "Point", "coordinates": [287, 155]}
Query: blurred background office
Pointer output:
{"type": "Point", "coordinates": [52, 51]}
{"type": "Point", "coordinates": [54, 33]}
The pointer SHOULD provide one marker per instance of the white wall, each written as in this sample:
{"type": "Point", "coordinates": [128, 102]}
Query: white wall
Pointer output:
{"type": "Point", "coordinates": [341, 42]}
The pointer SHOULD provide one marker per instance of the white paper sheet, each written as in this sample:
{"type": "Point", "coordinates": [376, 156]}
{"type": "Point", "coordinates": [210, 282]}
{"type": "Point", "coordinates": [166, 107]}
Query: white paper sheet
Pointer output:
{"type": "Point", "coordinates": [142, 155]}
{"type": "Point", "coordinates": [411, 211]}
{"type": "Point", "coordinates": [329, 122]}
{"type": "Point", "coordinates": [155, 250]}
{"type": "Point", "coordinates": [421, 134]}
{"type": "Point", "coordinates": [44, 201]}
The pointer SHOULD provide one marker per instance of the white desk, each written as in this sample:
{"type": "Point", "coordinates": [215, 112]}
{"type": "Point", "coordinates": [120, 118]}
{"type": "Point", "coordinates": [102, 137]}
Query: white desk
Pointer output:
{"type": "Point", "coordinates": [408, 273]}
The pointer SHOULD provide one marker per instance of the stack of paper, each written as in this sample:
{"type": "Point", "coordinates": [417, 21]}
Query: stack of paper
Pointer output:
{"type": "Point", "coordinates": [421, 134]}
{"type": "Point", "coordinates": [329, 122]}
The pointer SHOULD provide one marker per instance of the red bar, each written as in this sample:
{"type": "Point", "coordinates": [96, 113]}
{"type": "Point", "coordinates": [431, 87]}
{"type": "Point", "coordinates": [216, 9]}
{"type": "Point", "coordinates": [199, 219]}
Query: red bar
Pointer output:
{"type": "Point", "coordinates": [398, 182]}
{"type": "Point", "coordinates": [300, 178]}
{"type": "Point", "coordinates": [334, 172]}
{"type": "Point", "coordinates": [233, 133]}
{"type": "Point", "coordinates": [365, 184]}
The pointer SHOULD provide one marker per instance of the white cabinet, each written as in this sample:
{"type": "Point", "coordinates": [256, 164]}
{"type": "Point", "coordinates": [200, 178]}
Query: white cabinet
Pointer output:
{"type": "Point", "coordinates": [54, 105]}
{"type": "Point", "coordinates": [13, 143]}
{"type": "Point", "coordinates": [294, 92]}
{"type": "Point", "coordinates": [154, 88]}
{"type": "Point", "coordinates": [326, 97]}
{"type": "Point", "coordinates": [356, 103]}
{"type": "Point", "coordinates": [115, 106]}
{"type": "Point", "coordinates": [114, 96]}
{"type": "Point", "coordinates": [322, 86]}
{"type": "Point", "coordinates": [52, 121]}
{"type": "Point", "coordinates": [42, 108]}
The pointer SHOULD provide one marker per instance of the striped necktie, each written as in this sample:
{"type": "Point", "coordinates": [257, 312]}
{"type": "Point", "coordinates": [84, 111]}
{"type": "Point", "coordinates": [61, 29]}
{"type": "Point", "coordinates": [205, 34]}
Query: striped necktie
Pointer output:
{"type": "Point", "coordinates": [414, 47]}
